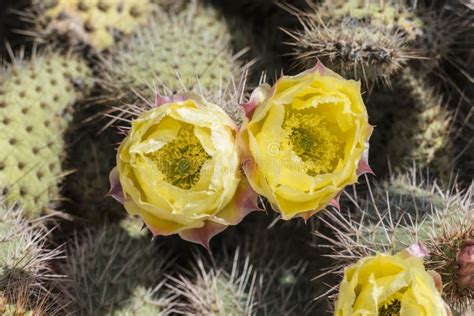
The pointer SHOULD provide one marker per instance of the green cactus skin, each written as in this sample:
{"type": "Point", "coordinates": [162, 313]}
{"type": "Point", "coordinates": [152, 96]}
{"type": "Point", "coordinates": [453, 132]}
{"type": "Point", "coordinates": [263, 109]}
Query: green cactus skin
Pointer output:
{"type": "Point", "coordinates": [117, 270]}
{"type": "Point", "coordinates": [36, 99]}
{"type": "Point", "coordinates": [361, 41]}
{"type": "Point", "coordinates": [8, 308]}
{"type": "Point", "coordinates": [400, 213]}
{"type": "Point", "coordinates": [24, 259]}
{"type": "Point", "coordinates": [189, 51]}
{"type": "Point", "coordinates": [422, 130]}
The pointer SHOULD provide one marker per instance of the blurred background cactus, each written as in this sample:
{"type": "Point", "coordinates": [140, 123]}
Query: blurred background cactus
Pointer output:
{"type": "Point", "coordinates": [75, 72]}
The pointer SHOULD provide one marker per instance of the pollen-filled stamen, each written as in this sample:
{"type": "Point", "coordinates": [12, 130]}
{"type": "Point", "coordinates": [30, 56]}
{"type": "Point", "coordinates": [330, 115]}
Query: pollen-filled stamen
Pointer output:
{"type": "Point", "coordinates": [181, 160]}
{"type": "Point", "coordinates": [391, 307]}
{"type": "Point", "coordinates": [310, 137]}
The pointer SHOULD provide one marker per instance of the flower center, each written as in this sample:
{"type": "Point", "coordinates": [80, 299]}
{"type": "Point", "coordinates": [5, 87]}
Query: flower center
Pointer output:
{"type": "Point", "coordinates": [310, 137]}
{"type": "Point", "coordinates": [181, 160]}
{"type": "Point", "coordinates": [391, 306]}
{"type": "Point", "coordinates": [391, 309]}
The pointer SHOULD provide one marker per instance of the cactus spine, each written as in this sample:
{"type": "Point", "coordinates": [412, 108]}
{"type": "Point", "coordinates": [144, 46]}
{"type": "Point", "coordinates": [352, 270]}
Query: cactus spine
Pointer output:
{"type": "Point", "coordinates": [36, 98]}
{"type": "Point", "coordinates": [25, 262]}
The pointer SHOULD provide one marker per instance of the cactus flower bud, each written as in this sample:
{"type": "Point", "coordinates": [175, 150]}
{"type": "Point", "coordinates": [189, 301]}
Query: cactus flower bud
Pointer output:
{"type": "Point", "coordinates": [465, 259]}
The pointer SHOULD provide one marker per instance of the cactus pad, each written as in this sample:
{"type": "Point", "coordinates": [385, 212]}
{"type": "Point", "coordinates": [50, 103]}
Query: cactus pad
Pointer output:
{"type": "Point", "coordinates": [368, 41]}
{"type": "Point", "coordinates": [184, 52]}
{"type": "Point", "coordinates": [36, 99]}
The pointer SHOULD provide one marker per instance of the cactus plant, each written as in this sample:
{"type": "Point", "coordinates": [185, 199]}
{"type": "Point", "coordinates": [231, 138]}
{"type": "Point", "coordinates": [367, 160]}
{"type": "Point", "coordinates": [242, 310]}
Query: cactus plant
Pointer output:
{"type": "Point", "coordinates": [365, 41]}
{"type": "Point", "coordinates": [216, 290]}
{"type": "Point", "coordinates": [116, 270]}
{"type": "Point", "coordinates": [97, 23]}
{"type": "Point", "coordinates": [24, 259]}
{"type": "Point", "coordinates": [36, 98]}
{"type": "Point", "coordinates": [404, 212]}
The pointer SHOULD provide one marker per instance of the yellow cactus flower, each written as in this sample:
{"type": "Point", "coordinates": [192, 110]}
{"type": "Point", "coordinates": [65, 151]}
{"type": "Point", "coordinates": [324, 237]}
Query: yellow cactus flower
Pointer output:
{"type": "Point", "coordinates": [179, 170]}
{"type": "Point", "coordinates": [389, 285]}
{"type": "Point", "coordinates": [304, 140]}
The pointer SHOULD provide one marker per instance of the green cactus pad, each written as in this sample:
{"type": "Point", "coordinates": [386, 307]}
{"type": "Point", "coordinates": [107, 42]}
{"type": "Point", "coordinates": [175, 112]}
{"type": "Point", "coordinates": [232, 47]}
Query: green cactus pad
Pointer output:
{"type": "Point", "coordinates": [36, 99]}
{"type": "Point", "coordinates": [117, 270]}
{"type": "Point", "coordinates": [190, 51]}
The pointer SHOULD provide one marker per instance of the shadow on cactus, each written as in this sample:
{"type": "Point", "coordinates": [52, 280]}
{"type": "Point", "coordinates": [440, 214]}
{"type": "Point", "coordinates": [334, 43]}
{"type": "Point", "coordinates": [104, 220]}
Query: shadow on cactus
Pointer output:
{"type": "Point", "coordinates": [91, 155]}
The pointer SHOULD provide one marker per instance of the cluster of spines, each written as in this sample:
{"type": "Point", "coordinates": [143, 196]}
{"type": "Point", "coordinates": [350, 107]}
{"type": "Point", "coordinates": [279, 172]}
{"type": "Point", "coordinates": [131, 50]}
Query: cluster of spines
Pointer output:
{"type": "Point", "coordinates": [218, 288]}
{"type": "Point", "coordinates": [358, 41]}
{"type": "Point", "coordinates": [267, 277]}
{"type": "Point", "coordinates": [25, 264]}
{"type": "Point", "coordinates": [36, 105]}
{"type": "Point", "coordinates": [117, 270]}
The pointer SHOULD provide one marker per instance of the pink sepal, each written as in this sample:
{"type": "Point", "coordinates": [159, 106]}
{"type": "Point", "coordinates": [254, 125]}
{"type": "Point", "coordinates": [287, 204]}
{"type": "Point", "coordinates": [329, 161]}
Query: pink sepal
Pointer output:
{"type": "Point", "coordinates": [335, 202]}
{"type": "Point", "coordinates": [179, 97]}
{"type": "Point", "coordinates": [204, 234]}
{"type": "Point", "coordinates": [417, 250]}
{"type": "Point", "coordinates": [320, 68]}
{"type": "Point", "coordinates": [116, 190]}
{"type": "Point", "coordinates": [257, 97]}
{"type": "Point", "coordinates": [307, 215]}
{"type": "Point", "coordinates": [364, 167]}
